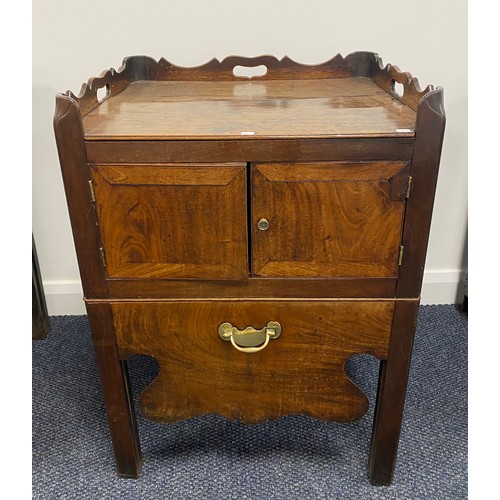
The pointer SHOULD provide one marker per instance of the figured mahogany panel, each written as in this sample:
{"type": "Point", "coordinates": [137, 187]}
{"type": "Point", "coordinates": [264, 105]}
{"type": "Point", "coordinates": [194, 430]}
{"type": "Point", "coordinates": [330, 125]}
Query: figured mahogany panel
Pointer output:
{"type": "Point", "coordinates": [327, 219]}
{"type": "Point", "coordinates": [302, 371]}
{"type": "Point", "coordinates": [175, 222]}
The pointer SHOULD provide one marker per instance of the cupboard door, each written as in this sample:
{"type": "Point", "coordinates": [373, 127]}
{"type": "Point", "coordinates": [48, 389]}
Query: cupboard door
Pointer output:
{"type": "Point", "coordinates": [327, 219]}
{"type": "Point", "coordinates": [172, 221]}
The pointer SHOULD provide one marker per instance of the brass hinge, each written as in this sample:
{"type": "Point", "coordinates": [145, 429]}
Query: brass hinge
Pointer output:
{"type": "Point", "coordinates": [400, 258]}
{"type": "Point", "coordinates": [409, 186]}
{"type": "Point", "coordinates": [103, 257]}
{"type": "Point", "coordinates": [92, 192]}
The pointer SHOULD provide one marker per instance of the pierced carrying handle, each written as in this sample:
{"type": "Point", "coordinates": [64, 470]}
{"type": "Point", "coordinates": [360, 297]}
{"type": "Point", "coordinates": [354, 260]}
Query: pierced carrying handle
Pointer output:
{"type": "Point", "coordinates": [249, 340]}
{"type": "Point", "coordinates": [249, 67]}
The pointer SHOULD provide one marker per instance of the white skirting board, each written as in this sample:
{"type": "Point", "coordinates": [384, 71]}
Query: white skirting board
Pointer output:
{"type": "Point", "coordinates": [64, 298]}
{"type": "Point", "coordinates": [443, 287]}
{"type": "Point", "coordinates": [440, 287]}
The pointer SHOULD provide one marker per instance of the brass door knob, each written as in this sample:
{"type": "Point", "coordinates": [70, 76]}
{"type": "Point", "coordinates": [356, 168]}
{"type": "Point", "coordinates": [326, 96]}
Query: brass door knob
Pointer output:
{"type": "Point", "coordinates": [263, 224]}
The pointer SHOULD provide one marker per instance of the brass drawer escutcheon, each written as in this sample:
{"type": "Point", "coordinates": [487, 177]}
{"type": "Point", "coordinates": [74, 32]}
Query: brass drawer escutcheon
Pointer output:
{"type": "Point", "coordinates": [249, 340]}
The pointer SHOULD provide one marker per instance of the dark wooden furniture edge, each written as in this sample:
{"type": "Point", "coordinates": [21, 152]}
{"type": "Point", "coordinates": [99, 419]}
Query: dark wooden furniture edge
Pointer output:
{"type": "Point", "coordinates": [391, 393]}
{"type": "Point", "coordinates": [40, 323]}
{"type": "Point", "coordinates": [76, 176]}
{"type": "Point", "coordinates": [429, 136]}
{"type": "Point", "coordinates": [116, 391]}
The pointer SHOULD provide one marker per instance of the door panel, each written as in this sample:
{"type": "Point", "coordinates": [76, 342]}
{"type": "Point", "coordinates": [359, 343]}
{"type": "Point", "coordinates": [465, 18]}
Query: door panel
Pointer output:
{"type": "Point", "coordinates": [166, 221]}
{"type": "Point", "coordinates": [328, 219]}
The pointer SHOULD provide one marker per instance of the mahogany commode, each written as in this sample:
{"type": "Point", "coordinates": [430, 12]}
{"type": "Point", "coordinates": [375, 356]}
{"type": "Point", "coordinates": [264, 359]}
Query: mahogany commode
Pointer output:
{"type": "Point", "coordinates": [251, 234]}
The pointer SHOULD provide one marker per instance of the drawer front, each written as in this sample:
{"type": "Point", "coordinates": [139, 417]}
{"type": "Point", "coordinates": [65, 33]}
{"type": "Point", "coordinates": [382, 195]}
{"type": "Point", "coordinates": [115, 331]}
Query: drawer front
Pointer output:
{"type": "Point", "coordinates": [332, 219]}
{"type": "Point", "coordinates": [172, 221]}
{"type": "Point", "coordinates": [300, 371]}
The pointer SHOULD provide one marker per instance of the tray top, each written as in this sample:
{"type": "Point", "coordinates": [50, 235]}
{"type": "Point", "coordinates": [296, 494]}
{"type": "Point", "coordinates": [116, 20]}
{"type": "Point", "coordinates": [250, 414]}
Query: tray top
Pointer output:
{"type": "Point", "coordinates": [341, 107]}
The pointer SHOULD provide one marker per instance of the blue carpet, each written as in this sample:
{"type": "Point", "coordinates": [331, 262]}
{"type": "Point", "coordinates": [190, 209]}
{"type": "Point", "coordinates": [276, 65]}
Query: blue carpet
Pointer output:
{"type": "Point", "coordinates": [209, 457]}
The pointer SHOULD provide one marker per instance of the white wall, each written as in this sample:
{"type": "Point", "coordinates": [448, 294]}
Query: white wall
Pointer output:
{"type": "Point", "coordinates": [73, 41]}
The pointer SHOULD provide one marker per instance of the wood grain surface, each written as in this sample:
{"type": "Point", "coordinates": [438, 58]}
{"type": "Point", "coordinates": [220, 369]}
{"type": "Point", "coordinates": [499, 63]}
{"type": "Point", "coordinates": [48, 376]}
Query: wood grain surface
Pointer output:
{"type": "Point", "coordinates": [247, 149]}
{"type": "Point", "coordinates": [278, 109]}
{"type": "Point", "coordinates": [173, 221]}
{"type": "Point", "coordinates": [326, 219]}
{"type": "Point", "coordinates": [300, 372]}
{"type": "Point", "coordinates": [272, 288]}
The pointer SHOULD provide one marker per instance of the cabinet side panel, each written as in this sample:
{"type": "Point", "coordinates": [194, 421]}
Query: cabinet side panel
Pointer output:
{"type": "Point", "coordinates": [424, 172]}
{"type": "Point", "coordinates": [76, 177]}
